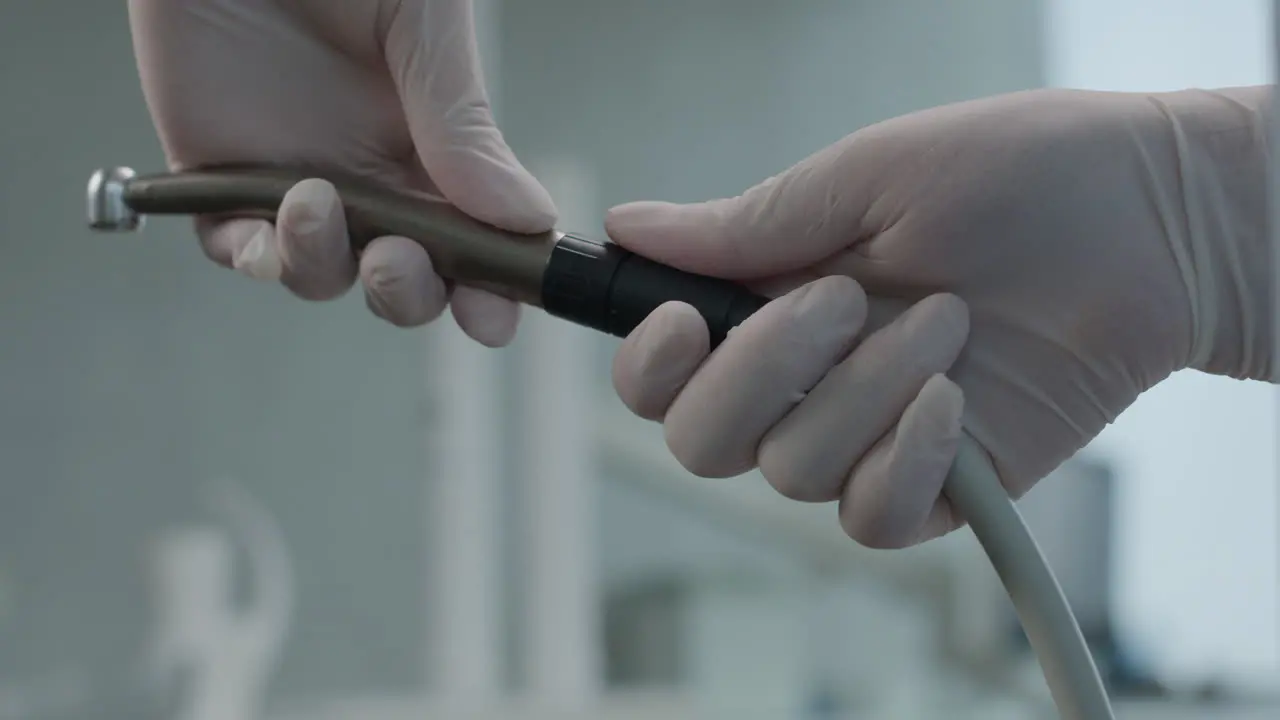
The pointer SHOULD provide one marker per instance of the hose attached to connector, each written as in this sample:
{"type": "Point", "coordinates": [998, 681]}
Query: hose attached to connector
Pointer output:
{"type": "Point", "coordinates": [604, 287]}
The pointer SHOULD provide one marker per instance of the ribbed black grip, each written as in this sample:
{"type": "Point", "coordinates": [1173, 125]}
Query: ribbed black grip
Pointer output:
{"type": "Point", "coordinates": [605, 287]}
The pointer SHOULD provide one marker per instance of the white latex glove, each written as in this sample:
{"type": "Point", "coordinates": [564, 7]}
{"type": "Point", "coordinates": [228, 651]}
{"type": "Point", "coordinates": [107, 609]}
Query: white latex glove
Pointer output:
{"type": "Point", "coordinates": [385, 89]}
{"type": "Point", "coordinates": [1060, 252]}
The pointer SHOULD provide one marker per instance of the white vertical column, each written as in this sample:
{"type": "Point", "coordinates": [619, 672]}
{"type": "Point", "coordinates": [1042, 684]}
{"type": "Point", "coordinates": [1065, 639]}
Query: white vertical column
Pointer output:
{"type": "Point", "coordinates": [463, 519]}
{"type": "Point", "coordinates": [562, 657]}
{"type": "Point", "coordinates": [464, 641]}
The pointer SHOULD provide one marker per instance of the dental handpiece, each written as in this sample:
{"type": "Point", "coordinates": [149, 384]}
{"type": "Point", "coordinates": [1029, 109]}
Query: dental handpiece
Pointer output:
{"type": "Point", "coordinates": [602, 286]}
{"type": "Point", "coordinates": [596, 284]}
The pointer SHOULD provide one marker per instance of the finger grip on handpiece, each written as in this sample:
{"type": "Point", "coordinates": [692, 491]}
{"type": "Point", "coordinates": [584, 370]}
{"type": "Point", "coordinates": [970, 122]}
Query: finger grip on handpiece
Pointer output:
{"type": "Point", "coordinates": [595, 284]}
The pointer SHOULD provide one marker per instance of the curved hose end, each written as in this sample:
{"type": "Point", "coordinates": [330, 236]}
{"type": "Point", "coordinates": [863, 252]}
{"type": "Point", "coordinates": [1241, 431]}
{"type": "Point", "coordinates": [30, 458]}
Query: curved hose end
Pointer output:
{"type": "Point", "coordinates": [106, 207]}
{"type": "Point", "coordinates": [974, 487]}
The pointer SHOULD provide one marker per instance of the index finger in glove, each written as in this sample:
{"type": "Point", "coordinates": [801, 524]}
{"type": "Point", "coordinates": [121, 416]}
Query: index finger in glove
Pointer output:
{"type": "Point", "coordinates": [307, 249]}
{"type": "Point", "coordinates": [431, 52]}
{"type": "Point", "coordinates": [895, 498]}
{"type": "Point", "coordinates": [659, 357]}
{"type": "Point", "coordinates": [313, 243]}
{"type": "Point", "coordinates": [247, 245]}
{"type": "Point", "coordinates": [759, 373]}
{"type": "Point", "coordinates": [784, 224]}
{"type": "Point", "coordinates": [809, 454]}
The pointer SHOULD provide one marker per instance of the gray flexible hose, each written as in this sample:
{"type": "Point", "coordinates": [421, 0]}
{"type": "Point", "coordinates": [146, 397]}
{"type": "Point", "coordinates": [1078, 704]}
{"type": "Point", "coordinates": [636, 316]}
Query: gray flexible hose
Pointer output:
{"type": "Point", "coordinates": [974, 488]}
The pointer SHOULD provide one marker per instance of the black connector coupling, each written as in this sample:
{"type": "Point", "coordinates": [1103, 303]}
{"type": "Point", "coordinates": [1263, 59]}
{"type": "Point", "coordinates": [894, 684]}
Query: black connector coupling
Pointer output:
{"type": "Point", "coordinates": [605, 287]}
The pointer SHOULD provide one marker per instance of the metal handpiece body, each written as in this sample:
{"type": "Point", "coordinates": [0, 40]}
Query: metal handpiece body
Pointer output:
{"type": "Point", "coordinates": [591, 283]}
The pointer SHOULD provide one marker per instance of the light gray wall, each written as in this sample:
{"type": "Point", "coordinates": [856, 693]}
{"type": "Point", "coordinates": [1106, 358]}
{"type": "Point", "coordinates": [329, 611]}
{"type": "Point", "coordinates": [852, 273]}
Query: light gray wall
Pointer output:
{"type": "Point", "coordinates": [685, 100]}
{"type": "Point", "coordinates": [132, 370]}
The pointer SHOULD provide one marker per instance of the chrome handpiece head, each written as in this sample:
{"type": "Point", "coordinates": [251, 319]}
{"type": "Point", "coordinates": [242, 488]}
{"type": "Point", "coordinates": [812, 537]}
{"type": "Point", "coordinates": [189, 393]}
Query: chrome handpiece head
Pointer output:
{"type": "Point", "coordinates": [107, 210]}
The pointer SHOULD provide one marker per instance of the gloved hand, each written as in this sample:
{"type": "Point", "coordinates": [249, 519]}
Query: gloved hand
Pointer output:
{"type": "Point", "coordinates": [1030, 262]}
{"type": "Point", "coordinates": [383, 89]}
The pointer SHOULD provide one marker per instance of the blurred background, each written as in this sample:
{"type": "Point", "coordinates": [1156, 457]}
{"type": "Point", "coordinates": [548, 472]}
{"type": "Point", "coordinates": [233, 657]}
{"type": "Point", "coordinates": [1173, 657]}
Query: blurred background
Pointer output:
{"type": "Point", "coordinates": [219, 503]}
